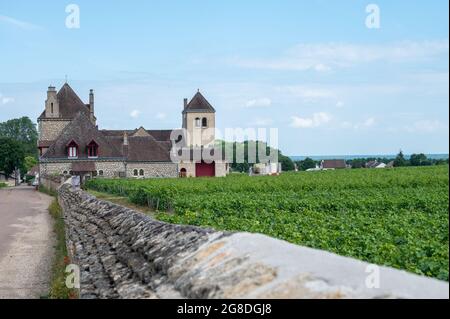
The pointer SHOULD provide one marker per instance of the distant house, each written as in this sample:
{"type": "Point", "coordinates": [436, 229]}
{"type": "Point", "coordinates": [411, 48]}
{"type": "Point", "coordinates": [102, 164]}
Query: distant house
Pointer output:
{"type": "Point", "coordinates": [333, 164]}
{"type": "Point", "coordinates": [265, 169]}
{"type": "Point", "coordinates": [375, 164]}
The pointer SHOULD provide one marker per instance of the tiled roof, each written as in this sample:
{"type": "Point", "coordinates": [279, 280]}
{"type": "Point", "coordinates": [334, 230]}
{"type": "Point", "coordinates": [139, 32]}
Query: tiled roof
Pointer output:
{"type": "Point", "coordinates": [147, 149]}
{"type": "Point", "coordinates": [336, 163]}
{"type": "Point", "coordinates": [69, 103]}
{"type": "Point", "coordinates": [199, 104]}
{"type": "Point", "coordinates": [82, 132]}
{"type": "Point", "coordinates": [159, 135]}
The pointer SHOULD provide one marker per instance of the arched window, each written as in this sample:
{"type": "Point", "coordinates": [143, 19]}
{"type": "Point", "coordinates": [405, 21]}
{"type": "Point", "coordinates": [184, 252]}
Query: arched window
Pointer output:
{"type": "Point", "coordinates": [204, 122]}
{"type": "Point", "coordinates": [72, 149]}
{"type": "Point", "coordinates": [65, 173]}
{"type": "Point", "coordinates": [141, 172]}
{"type": "Point", "coordinates": [135, 172]}
{"type": "Point", "coordinates": [183, 172]}
{"type": "Point", "coordinates": [197, 122]}
{"type": "Point", "coordinates": [92, 149]}
{"type": "Point", "coordinates": [100, 172]}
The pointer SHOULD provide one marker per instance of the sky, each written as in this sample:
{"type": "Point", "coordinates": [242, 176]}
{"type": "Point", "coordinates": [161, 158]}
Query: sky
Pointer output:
{"type": "Point", "coordinates": [315, 70]}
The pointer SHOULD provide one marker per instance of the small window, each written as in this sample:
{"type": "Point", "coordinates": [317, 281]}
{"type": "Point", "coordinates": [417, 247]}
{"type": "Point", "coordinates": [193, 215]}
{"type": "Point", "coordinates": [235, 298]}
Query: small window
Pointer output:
{"type": "Point", "coordinates": [71, 173]}
{"type": "Point", "coordinates": [51, 104]}
{"type": "Point", "coordinates": [141, 172]}
{"type": "Point", "coordinates": [197, 122]}
{"type": "Point", "coordinates": [92, 149]}
{"type": "Point", "coordinates": [94, 173]}
{"type": "Point", "coordinates": [135, 172]}
{"type": "Point", "coordinates": [100, 172]}
{"type": "Point", "coordinates": [204, 122]}
{"type": "Point", "coordinates": [72, 149]}
{"type": "Point", "coordinates": [65, 172]}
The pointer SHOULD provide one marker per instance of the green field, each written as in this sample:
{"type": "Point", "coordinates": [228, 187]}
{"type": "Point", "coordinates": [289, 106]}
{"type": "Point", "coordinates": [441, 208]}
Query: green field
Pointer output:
{"type": "Point", "coordinates": [396, 217]}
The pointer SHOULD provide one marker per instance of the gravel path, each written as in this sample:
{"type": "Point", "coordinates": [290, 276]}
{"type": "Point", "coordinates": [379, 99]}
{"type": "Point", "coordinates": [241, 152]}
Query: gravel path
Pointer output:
{"type": "Point", "coordinates": [26, 243]}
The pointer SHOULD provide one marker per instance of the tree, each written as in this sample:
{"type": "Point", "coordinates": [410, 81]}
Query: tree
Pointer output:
{"type": "Point", "coordinates": [286, 162]}
{"type": "Point", "coordinates": [307, 163]}
{"type": "Point", "coordinates": [22, 130]}
{"type": "Point", "coordinates": [400, 160]}
{"type": "Point", "coordinates": [11, 155]}
{"type": "Point", "coordinates": [419, 160]}
{"type": "Point", "coordinates": [29, 162]}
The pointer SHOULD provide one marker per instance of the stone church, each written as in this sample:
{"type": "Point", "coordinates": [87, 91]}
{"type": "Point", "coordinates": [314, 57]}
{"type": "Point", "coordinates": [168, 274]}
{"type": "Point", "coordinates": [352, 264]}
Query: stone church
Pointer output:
{"type": "Point", "coordinates": [70, 142]}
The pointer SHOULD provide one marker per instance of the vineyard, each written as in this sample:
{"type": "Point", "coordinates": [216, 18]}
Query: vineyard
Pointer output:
{"type": "Point", "coordinates": [395, 217]}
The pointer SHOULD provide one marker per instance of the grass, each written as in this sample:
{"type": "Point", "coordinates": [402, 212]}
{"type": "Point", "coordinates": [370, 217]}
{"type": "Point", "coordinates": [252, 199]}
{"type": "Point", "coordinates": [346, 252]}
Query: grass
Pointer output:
{"type": "Point", "coordinates": [58, 289]}
{"type": "Point", "coordinates": [123, 201]}
{"type": "Point", "coordinates": [47, 191]}
{"type": "Point", "coordinates": [2, 185]}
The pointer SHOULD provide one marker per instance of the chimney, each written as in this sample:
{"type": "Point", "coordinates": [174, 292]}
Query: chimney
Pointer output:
{"type": "Point", "coordinates": [185, 103]}
{"type": "Point", "coordinates": [125, 138]}
{"type": "Point", "coordinates": [125, 144]}
{"type": "Point", "coordinates": [91, 101]}
{"type": "Point", "coordinates": [51, 92]}
{"type": "Point", "coordinates": [51, 104]}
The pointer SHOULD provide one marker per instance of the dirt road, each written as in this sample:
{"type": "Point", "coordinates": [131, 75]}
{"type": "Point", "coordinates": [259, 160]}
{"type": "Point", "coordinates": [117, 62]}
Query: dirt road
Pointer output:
{"type": "Point", "coordinates": [26, 243]}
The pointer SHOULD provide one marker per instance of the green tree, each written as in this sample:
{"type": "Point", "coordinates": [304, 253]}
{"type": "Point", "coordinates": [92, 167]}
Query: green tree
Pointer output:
{"type": "Point", "coordinates": [286, 162]}
{"type": "Point", "coordinates": [29, 162]}
{"type": "Point", "coordinates": [11, 155]}
{"type": "Point", "coordinates": [22, 130]}
{"type": "Point", "coordinates": [400, 160]}
{"type": "Point", "coordinates": [419, 160]}
{"type": "Point", "coordinates": [307, 163]}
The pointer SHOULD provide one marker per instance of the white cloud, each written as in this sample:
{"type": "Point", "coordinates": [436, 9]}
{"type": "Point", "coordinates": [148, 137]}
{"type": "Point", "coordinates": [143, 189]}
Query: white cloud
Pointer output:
{"type": "Point", "coordinates": [135, 113]}
{"type": "Point", "coordinates": [262, 102]}
{"type": "Point", "coordinates": [6, 100]}
{"type": "Point", "coordinates": [19, 24]}
{"type": "Point", "coordinates": [369, 122]}
{"type": "Point", "coordinates": [307, 92]}
{"type": "Point", "coordinates": [322, 57]}
{"type": "Point", "coordinates": [316, 120]}
{"type": "Point", "coordinates": [261, 122]}
{"type": "Point", "coordinates": [340, 104]}
{"type": "Point", "coordinates": [161, 116]}
{"type": "Point", "coordinates": [425, 126]}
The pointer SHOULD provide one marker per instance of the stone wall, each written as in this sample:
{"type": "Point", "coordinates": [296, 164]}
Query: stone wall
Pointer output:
{"type": "Point", "coordinates": [221, 169]}
{"type": "Point", "coordinates": [54, 168]}
{"type": "Point", "coordinates": [51, 182]}
{"type": "Point", "coordinates": [190, 169]}
{"type": "Point", "coordinates": [126, 254]}
{"type": "Point", "coordinates": [152, 170]}
{"type": "Point", "coordinates": [110, 169]}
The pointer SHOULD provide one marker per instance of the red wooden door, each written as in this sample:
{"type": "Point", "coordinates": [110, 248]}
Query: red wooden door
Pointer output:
{"type": "Point", "coordinates": [205, 169]}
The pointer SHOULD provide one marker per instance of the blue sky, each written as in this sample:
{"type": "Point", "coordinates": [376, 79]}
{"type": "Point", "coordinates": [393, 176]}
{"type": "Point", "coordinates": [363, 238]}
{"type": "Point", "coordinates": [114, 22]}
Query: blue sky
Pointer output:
{"type": "Point", "coordinates": [312, 69]}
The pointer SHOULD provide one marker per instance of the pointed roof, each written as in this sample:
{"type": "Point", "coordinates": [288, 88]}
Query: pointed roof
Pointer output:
{"type": "Point", "coordinates": [199, 104]}
{"type": "Point", "coordinates": [70, 103]}
{"type": "Point", "coordinates": [82, 131]}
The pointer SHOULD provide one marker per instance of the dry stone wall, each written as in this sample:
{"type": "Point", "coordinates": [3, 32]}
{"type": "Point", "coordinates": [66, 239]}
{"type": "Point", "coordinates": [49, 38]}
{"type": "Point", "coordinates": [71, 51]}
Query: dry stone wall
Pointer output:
{"type": "Point", "coordinates": [126, 254]}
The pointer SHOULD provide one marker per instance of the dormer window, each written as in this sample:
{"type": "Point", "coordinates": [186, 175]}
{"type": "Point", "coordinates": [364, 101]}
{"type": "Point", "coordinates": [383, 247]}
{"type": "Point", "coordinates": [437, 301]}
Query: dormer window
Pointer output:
{"type": "Point", "coordinates": [72, 150]}
{"type": "Point", "coordinates": [197, 122]}
{"type": "Point", "coordinates": [204, 122]}
{"type": "Point", "coordinates": [92, 149]}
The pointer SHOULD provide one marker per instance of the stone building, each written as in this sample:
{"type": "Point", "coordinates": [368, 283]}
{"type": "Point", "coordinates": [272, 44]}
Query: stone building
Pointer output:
{"type": "Point", "coordinates": [70, 142]}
